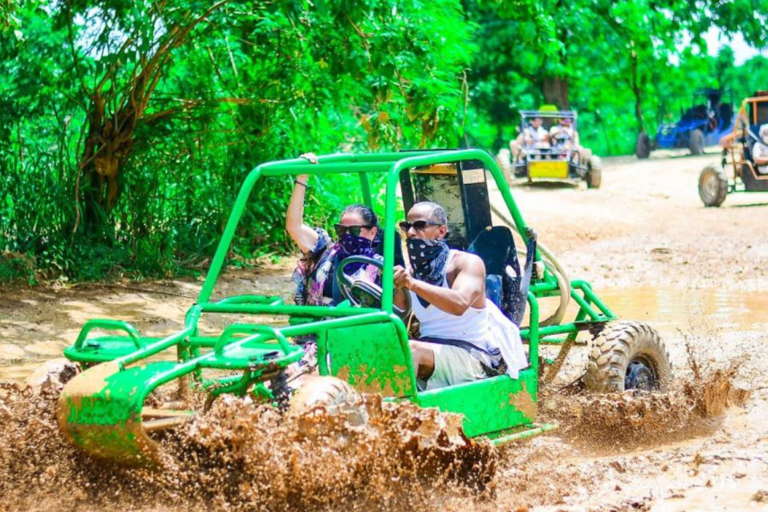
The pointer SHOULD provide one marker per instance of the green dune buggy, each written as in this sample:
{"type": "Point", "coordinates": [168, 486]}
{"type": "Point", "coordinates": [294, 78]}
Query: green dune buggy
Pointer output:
{"type": "Point", "coordinates": [362, 342]}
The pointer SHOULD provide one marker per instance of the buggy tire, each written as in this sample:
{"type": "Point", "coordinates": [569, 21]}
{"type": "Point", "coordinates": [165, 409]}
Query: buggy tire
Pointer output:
{"type": "Point", "coordinates": [53, 374]}
{"type": "Point", "coordinates": [696, 142]}
{"type": "Point", "coordinates": [713, 186]}
{"type": "Point", "coordinates": [333, 395]}
{"type": "Point", "coordinates": [643, 146]}
{"type": "Point", "coordinates": [594, 176]}
{"type": "Point", "coordinates": [617, 346]}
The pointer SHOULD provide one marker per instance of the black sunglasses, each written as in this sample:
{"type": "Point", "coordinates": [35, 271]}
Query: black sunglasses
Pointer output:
{"type": "Point", "coordinates": [419, 225]}
{"type": "Point", "coordinates": [342, 230]}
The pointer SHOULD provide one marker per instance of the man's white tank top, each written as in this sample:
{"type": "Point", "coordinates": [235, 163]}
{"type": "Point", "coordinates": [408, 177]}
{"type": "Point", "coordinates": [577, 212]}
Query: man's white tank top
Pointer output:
{"type": "Point", "coordinates": [473, 326]}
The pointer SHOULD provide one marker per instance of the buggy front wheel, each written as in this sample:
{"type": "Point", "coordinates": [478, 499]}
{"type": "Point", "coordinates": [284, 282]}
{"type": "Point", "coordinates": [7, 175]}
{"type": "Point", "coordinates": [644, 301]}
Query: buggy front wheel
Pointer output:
{"type": "Point", "coordinates": [713, 186]}
{"type": "Point", "coordinates": [643, 146]}
{"type": "Point", "coordinates": [594, 176]}
{"type": "Point", "coordinates": [696, 142]}
{"type": "Point", "coordinates": [331, 395]}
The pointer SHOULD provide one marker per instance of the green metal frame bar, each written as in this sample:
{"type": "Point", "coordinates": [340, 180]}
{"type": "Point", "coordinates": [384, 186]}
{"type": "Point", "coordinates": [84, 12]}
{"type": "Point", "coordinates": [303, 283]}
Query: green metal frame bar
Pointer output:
{"type": "Point", "coordinates": [517, 435]}
{"type": "Point", "coordinates": [108, 325]}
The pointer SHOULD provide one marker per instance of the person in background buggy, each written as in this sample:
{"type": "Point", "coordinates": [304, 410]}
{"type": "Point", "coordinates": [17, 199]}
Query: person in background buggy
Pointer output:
{"type": "Point", "coordinates": [533, 136]}
{"type": "Point", "coordinates": [760, 151]}
{"type": "Point", "coordinates": [564, 135]}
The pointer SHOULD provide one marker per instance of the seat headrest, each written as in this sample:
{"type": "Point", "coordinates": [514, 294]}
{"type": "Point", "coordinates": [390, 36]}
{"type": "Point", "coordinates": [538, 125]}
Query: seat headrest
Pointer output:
{"type": "Point", "coordinates": [496, 247]}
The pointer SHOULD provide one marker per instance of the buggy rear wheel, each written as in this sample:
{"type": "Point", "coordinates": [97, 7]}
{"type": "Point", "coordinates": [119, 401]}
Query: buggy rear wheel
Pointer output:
{"type": "Point", "coordinates": [627, 355]}
{"type": "Point", "coordinates": [594, 175]}
{"type": "Point", "coordinates": [713, 186]}
{"type": "Point", "coordinates": [643, 146]}
{"type": "Point", "coordinates": [696, 142]}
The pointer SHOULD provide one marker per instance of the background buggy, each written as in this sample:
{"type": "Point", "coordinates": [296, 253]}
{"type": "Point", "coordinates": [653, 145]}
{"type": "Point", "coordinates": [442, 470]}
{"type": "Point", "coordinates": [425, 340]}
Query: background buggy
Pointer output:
{"type": "Point", "coordinates": [559, 159]}
{"type": "Point", "coordinates": [699, 126]}
{"type": "Point", "coordinates": [737, 171]}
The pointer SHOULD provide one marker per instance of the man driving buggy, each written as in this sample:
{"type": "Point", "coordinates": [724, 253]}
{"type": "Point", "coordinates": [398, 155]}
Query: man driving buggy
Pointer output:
{"type": "Point", "coordinates": [463, 336]}
{"type": "Point", "coordinates": [533, 135]}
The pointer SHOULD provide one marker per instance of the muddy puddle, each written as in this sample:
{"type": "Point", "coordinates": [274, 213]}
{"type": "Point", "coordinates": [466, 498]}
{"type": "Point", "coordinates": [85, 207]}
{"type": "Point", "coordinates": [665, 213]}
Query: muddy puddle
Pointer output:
{"type": "Point", "coordinates": [675, 307]}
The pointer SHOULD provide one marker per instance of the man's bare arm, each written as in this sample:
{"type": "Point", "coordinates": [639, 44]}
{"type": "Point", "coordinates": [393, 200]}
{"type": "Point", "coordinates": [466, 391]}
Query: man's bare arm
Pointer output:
{"type": "Point", "coordinates": [467, 288]}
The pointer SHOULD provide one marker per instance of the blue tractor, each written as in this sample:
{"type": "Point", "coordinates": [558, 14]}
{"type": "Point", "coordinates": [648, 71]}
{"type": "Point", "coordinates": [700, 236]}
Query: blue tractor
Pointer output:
{"type": "Point", "coordinates": [704, 124]}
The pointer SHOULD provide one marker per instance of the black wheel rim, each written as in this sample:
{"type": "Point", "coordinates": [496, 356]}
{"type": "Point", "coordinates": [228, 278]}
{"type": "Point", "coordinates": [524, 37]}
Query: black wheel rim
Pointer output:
{"type": "Point", "coordinates": [641, 375]}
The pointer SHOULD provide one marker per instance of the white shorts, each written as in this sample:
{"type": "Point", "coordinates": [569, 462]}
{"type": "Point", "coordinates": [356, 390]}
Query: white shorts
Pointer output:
{"type": "Point", "coordinates": [453, 365]}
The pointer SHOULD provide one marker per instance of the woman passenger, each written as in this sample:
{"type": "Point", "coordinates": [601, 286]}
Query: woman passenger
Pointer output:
{"type": "Point", "coordinates": [315, 274]}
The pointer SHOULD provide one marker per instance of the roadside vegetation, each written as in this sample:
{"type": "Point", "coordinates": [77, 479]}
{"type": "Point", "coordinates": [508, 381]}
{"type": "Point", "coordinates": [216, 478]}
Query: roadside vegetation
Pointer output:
{"type": "Point", "coordinates": [127, 127]}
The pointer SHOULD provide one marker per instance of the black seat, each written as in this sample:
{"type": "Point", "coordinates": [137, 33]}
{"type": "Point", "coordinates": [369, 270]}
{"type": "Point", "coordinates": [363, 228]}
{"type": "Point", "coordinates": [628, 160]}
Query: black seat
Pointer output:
{"type": "Point", "coordinates": [378, 246]}
{"type": "Point", "coordinates": [496, 247]}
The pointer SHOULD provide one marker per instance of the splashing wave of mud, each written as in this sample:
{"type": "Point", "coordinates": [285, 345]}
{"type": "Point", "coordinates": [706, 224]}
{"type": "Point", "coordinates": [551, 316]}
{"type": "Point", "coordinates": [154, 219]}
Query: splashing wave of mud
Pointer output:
{"type": "Point", "coordinates": [636, 419]}
{"type": "Point", "coordinates": [239, 456]}
{"type": "Point", "coordinates": [244, 457]}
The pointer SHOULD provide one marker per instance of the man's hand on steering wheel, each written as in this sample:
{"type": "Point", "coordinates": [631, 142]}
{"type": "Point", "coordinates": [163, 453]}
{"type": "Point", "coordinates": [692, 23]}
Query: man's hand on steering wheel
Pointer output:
{"type": "Point", "coordinates": [402, 278]}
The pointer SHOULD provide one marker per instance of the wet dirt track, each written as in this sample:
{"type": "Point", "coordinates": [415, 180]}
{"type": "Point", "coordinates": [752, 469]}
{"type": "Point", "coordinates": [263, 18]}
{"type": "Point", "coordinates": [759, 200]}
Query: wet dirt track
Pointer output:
{"type": "Point", "coordinates": [651, 251]}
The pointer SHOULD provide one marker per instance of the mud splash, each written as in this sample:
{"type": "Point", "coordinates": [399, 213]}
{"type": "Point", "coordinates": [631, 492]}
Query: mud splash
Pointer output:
{"type": "Point", "coordinates": [636, 419]}
{"type": "Point", "coordinates": [239, 456]}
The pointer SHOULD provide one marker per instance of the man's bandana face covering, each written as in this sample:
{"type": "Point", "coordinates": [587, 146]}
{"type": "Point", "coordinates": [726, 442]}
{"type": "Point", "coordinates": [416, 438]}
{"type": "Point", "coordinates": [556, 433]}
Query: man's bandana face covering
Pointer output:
{"type": "Point", "coordinates": [428, 259]}
{"type": "Point", "coordinates": [350, 245]}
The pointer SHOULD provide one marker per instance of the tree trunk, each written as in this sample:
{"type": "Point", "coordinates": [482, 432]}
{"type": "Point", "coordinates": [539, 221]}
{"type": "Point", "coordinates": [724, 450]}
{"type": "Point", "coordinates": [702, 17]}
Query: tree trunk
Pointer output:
{"type": "Point", "coordinates": [110, 136]}
{"type": "Point", "coordinates": [636, 90]}
{"type": "Point", "coordinates": [556, 92]}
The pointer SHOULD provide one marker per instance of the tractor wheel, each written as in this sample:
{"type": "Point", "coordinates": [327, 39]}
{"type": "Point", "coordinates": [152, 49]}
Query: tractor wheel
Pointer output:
{"type": "Point", "coordinates": [643, 146]}
{"type": "Point", "coordinates": [713, 186]}
{"type": "Point", "coordinates": [696, 142]}
{"type": "Point", "coordinates": [334, 396]}
{"type": "Point", "coordinates": [594, 176]}
{"type": "Point", "coordinates": [627, 355]}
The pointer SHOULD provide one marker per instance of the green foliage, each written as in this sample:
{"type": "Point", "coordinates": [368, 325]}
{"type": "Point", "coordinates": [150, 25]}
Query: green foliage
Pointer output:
{"type": "Point", "coordinates": [127, 127]}
{"type": "Point", "coordinates": [620, 64]}
{"type": "Point", "coordinates": [193, 96]}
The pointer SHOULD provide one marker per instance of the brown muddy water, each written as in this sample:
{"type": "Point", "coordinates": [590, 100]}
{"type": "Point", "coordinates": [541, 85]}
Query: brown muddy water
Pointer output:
{"type": "Point", "coordinates": [702, 446]}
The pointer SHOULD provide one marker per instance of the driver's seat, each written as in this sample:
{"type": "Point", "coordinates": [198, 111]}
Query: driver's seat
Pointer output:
{"type": "Point", "coordinates": [496, 247]}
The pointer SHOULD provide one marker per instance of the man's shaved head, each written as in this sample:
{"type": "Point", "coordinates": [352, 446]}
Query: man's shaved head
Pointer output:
{"type": "Point", "coordinates": [431, 211]}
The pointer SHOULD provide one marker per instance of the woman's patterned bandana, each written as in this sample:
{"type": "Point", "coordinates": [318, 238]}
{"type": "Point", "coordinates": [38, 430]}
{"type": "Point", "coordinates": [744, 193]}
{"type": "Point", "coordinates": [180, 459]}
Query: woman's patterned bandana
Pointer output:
{"type": "Point", "coordinates": [428, 259]}
{"type": "Point", "coordinates": [354, 246]}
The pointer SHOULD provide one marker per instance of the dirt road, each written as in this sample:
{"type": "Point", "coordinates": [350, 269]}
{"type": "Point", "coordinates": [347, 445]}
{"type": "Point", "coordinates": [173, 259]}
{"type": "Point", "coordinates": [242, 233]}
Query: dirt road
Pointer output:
{"type": "Point", "coordinates": [649, 248]}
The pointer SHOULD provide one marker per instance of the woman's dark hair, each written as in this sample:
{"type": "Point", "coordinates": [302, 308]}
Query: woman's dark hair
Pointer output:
{"type": "Point", "coordinates": [369, 216]}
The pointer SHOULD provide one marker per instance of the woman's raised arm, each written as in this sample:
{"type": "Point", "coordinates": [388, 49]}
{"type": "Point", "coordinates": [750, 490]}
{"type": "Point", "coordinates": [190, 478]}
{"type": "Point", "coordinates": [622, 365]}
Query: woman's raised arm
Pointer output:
{"type": "Point", "coordinates": [304, 236]}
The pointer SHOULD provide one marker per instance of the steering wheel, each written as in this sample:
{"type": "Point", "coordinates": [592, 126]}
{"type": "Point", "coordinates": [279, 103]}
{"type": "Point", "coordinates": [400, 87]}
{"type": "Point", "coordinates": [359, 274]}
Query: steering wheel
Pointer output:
{"type": "Point", "coordinates": [560, 137]}
{"type": "Point", "coordinates": [363, 293]}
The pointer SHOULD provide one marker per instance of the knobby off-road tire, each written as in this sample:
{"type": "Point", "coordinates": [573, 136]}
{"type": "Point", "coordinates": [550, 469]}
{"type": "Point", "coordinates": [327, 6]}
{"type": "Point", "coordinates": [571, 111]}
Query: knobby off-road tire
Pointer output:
{"type": "Point", "coordinates": [713, 186]}
{"type": "Point", "coordinates": [643, 146]}
{"type": "Point", "coordinates": [619, 345]}
{"type": "Point", "coordinates": [696, 142]}
{"type": "Point", "coordinates": [594, 176]}
{"type": "Point", "coordinates": [333, 395]}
